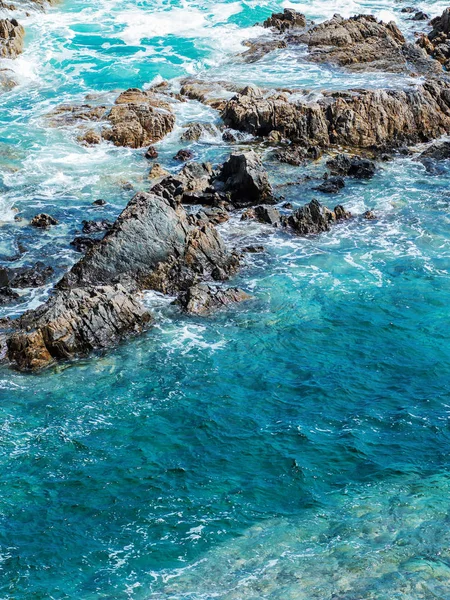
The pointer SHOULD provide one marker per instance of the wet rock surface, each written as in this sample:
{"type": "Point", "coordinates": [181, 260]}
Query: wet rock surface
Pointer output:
{"type": "Point", "coordinates": [202, 299]}
{"type": "Point", "coordinates": [12, 36]}
{"type": "Point", "coordinates": [73, 323]}
{"type": "Point", "coordinates": [244, 178]}
{"type": "Point", "coordinates": [355, 119]}
{"type": "Point", "coordinates": [43, 221]}
{"type": "Point", "coordinates": [351, 166]}
{"type": "Point", "coordinates": [288, 19]}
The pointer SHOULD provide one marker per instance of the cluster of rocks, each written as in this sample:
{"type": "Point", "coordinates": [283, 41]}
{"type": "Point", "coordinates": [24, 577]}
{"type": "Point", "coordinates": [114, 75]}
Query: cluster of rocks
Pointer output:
{"type": "Point", "coordinates": [437, 42]}
{"type": "Point", "coordinates": [154, 244]}
{"type": "Point", "coordinates": [360, 43]}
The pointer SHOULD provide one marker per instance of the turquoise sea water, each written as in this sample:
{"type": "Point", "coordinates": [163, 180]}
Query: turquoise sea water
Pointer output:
{"type": "Point", "coordinates": [295, 447]}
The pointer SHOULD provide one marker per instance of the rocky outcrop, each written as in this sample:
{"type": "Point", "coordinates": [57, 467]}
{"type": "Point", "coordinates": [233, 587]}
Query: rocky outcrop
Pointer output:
{"type": "Point", "coordinates": [202, 299]}
{"type": "Point", "coordinates": [73, 323]}
{"type": "Point", "coordinates": [437, 151]}
{"type": "Point", "coordinates": [378, 119]}
{"type": "Point", "coordinates": [437, 42]}
{"type": "Point", "coordinates": [358, 43]}
{"type": "Point", "coordinates": [314, 218]}
{"type": "Point", "coordinates": [27, 277]}
{"type": "Point", "coordinates": [138, 119]}
{"type": "Point", "coordinates": [260, 47]}
{"type": "Point", "coordinates": [12, 36]}
{"type": "Point", "coordinates": [245, 180]}
{"type": "Point", "coordinates": [211, 93]}
{"type": "Point", "coordinates": [288, 19]}
{"type": "Point", "coordinates": [154, 245]}
{"type": "Point", "coordinates": [331, 185]}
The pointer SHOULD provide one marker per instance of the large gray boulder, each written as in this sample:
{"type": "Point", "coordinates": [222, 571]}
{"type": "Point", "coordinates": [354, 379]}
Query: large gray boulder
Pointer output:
{"type": "Point", "coordinates": [153, 245]}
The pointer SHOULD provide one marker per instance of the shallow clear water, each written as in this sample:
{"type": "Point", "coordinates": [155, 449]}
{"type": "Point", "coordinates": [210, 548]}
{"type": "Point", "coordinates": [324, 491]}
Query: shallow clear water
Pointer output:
{"type": "Point", "coordinates": [295, 447]}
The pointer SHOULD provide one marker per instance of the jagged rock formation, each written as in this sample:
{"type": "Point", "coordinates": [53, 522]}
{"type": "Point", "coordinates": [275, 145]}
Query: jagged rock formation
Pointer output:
{"type": "Point", "coordinates": [153, 245]}
{"type": "Point", "coordinates": [12, 36]}
{"type": "Point", "coordinates": [288, 19]}
{"type": "Point", "coordinates": [73, 323]}
{"type": "Point", "coordinates": [315, 218]}
{"type": "Point", "coordinates": [437, 42]}
{"type": "Point", "coordinates": [355, 119]}
{"type": "Point", "coordinates": [243, 177]}
{"type": "Point", "coordinates": [358, 43]}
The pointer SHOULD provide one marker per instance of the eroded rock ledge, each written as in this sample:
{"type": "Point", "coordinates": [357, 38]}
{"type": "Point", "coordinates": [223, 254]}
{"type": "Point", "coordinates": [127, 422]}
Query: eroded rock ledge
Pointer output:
{"type": "Point", "coordinates": [377, 119]}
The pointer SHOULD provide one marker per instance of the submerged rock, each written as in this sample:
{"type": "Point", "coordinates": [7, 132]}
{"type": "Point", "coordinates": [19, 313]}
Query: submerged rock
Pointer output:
{"type": "Point", "coordinates": [96, 226]}
{"type": "Point", "coordinates": [184, 155]}
{"type": "Point", "coordinates": [315, 218]}
{"type": "Point", "coordinates": [202, 299]}
{"type": "Point", "coordinates": [83, 243]}
{"type": "Point", "coordinates": [244, 178]}
{"type": "Point", "coordinates": [73, 323]}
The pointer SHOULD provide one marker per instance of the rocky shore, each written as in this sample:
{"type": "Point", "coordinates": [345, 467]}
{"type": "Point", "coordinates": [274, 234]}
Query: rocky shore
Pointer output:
{"type": "Point", "coordinates": [166, 239]}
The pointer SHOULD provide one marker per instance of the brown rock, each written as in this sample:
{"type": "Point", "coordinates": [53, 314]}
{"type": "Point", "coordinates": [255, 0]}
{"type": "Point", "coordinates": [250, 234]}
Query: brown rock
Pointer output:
{"type": "Point", "coordinates": [73, 323]}
{"type": "Point", "coordinates": [43, 221]}
{"type": "Point", "coordinates": [11, 38]}
{"type": "Point", "coordinates": [288, 19]}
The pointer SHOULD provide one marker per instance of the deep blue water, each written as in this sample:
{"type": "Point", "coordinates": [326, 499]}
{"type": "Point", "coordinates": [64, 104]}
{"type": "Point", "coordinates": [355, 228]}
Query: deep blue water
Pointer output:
{"type": "Point", "coordinates": [294, 447]}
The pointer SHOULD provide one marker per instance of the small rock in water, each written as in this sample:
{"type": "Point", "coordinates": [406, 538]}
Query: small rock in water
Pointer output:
{"type": "Point", "coordinates": [253, 249]}
{"type": "Point", "coordinates": [369, 215]}
{"type": "Point", "coordinates": [227, 136]}
{"type": "Point", "coordinates": [43, 221]}
{"type": "Point", "coordinates": [96, 226]}
{"type": "Point", "coordinates": [202, 299]}
{"type": "Point", "coordinates": [157, 171]}
{"type": "Point", "coordinates": [151, 153]}
{"type": "Point", "coordinates": [333, 185]}
{"type": "Point", "coordinates": [288, 19]}
{"type": "Point", "coordinates": [99, 202]}
{"type": "Point", "coordinates": [184, 155]}
{"type": "Point", "coordinates": [7, 296]}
